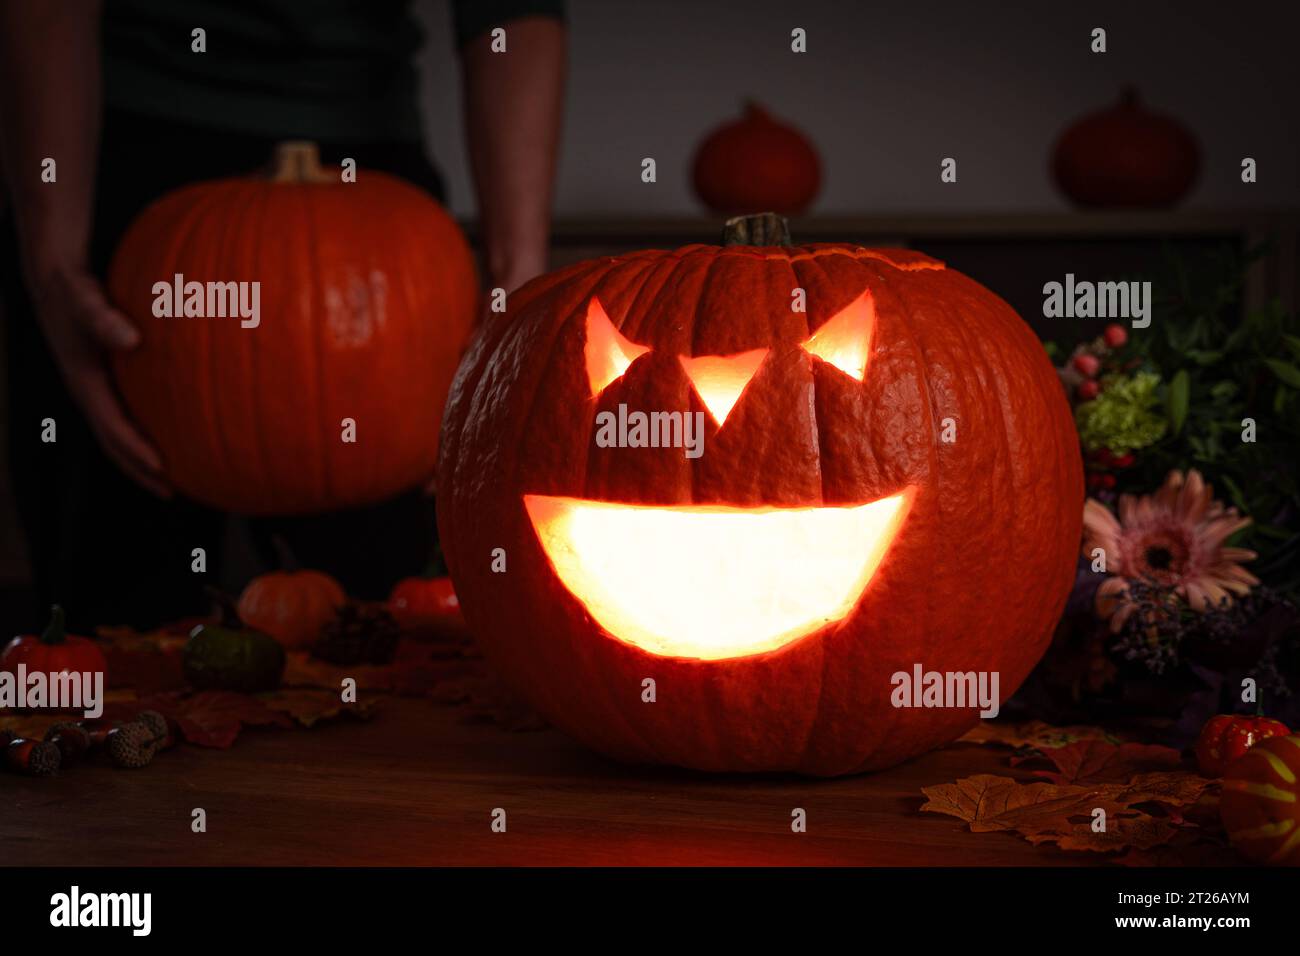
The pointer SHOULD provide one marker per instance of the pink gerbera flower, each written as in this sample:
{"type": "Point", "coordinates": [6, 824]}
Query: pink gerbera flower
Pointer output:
{"type": "Point", "coordinates": [1175, 538]}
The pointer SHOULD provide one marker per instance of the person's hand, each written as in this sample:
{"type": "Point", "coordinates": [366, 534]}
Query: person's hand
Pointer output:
{"type": "Point", "coordinates": [80, 325]}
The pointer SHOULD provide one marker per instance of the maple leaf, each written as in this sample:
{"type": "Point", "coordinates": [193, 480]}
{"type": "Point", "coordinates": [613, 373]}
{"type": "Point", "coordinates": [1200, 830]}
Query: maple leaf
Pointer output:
{"type": "Point", "coordinates": [990, 803]}
{"type": "Point", "coordinates": [1033, 733]}
{"type": "Point", "coordinates": [1064, 813]}
{"type": "Point", "coordinates": [146, 661]}
{"type": "Point", "coordinates": [210, 718]}
{"type": "Point", "coordinates": [1139, 831]}
{"type": "Point", "coordinates": [489, 699]}
{"type": "Point", "coordinates": [1100, 761]}
{"type": "Point", "coordinates": [309, 705]}
{"type": "Point", "coordinates": [303, 670]}
{"type": "Point", "coordinates": [1176, 788]}
{"type": "Point", "coordinates": [31, 725]}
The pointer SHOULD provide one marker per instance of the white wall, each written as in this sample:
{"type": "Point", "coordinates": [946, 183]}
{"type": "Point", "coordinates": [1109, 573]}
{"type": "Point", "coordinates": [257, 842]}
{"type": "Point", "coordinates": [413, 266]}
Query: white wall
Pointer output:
{"type": "Point", "coordinates": [889, 88]}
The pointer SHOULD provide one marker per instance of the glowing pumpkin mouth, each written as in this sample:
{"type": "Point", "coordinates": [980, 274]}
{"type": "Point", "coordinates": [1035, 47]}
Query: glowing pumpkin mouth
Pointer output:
{"type": "Point", "coordinates": [713, 582]}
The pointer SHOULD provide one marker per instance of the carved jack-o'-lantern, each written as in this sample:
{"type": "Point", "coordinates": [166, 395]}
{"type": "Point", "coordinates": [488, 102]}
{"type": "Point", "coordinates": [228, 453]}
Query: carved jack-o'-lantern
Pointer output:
{"type": "Point", "coordinates": [700, 506]}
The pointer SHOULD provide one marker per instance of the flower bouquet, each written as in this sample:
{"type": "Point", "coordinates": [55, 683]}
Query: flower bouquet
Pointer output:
{"type": "Point", "coordinates": [1185, 600]}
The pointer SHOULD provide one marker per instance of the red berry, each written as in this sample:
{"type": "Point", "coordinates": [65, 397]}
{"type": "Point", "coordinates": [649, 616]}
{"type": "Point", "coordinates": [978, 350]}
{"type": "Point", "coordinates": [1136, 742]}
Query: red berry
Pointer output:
{"type": "Point", "coordinates": [1115, 335]}
{"type": "Point", "coordinates": [1089, 390]}
{"type": "Point", "coordinates": [1123, 461]}
{"type": "Point", "coordinates": [1107, 481]}
{"type": "Point", "coordinates": [1087, 364]}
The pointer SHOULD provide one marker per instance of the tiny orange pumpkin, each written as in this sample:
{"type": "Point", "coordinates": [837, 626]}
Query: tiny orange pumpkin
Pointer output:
{"type": "Point", "coordinates": [291, 604]}
{"type": "Point", "coordinates": [1260, 805]}
{"type": "Point", "coordinates": [424, 600]}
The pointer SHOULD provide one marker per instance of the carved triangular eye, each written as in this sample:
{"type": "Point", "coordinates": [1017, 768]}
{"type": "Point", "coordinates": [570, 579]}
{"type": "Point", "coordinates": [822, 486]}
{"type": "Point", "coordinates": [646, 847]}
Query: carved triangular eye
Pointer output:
{"type": "Point", "coordinates": [844, 340]}
{"type": "Point", "coordinates": [608, 353]}
{"type": "Point", "coordinates": [719, 379]}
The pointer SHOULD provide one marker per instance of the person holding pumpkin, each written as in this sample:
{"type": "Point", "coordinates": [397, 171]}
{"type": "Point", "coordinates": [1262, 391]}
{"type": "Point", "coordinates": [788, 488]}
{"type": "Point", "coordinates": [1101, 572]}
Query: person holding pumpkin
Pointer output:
{"type": "Point", "coordinates": [123, 99]}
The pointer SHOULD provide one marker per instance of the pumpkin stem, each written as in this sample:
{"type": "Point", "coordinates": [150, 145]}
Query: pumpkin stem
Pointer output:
{"type": "Point", "coordinates": [298, 161]}
{"type": "Point", "coordinates": [226, 608]}
{"type": "Point", "coordinates": [762, 229]}
{"type": "Point", "coordinates": [284, 554]}
{"type": "Point", "coordinates": [56, 630]}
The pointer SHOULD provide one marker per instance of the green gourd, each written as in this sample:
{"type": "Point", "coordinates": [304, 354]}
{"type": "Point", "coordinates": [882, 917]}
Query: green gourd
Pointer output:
{"type": "Point", "coordinates": [229, 656]}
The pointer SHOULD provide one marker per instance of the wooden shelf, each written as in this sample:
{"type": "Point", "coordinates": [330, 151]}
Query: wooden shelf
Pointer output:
{"type": "Point", "coordinates": [1111, 224]}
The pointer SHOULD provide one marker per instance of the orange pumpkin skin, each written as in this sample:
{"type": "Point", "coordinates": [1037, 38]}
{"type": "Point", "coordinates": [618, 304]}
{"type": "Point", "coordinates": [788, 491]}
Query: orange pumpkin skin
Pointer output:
{"type": "Point", "coordinates": [53, 652]}
{"type": "Point", "coordinates": [975, 579]}
{"type": "Point", "coordinates": [367, 295]}
{"type": "Point", "coordinates": [755, 164]}
{"type": "Point", "coordinates": [1126, 156]}
{"type": "Point", "coordinates": [1260, 804]}
{"type": "Point", "coordinates": [291, 606]}
{"type": "Point", "coordinates": [424, 600]}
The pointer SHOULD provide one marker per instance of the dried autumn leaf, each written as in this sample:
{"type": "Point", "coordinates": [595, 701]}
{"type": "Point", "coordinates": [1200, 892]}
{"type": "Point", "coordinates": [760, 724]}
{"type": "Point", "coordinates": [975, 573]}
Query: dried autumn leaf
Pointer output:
{"type": "Point", "coordinates": [1185, 848]}
{"type": "Point", "coordinates": [1033, 733]}
{"type": "Point", "coordinates": [145, 661]}
{"type": "Point", "coordinates": [34, 724]}
{"type": "Point", "coordinates": [31, 725]}
{"type": "Point", "coordinates": [310, 705]}
{"type": "Point", "coordinates": [303, 670]}
{"type": "Point", "coordinates": [210, 718]}
{"type": "Point", "coordinates": [1177, 788]}
{"type": "Point", "coordinates": [990, 803]}
{"type": "Point", "coordinates": [1099, 761]}
{"type": "Point", "coordinates": [487, 698]}
{"type": "Point", "coordinates": [1139, 831]}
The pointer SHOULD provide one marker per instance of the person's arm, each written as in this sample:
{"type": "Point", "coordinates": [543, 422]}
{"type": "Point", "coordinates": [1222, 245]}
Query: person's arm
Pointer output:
{"type": "Point", "coordinates": [50, 106]}
{"type": "Point", "coordinates": [512, 117]}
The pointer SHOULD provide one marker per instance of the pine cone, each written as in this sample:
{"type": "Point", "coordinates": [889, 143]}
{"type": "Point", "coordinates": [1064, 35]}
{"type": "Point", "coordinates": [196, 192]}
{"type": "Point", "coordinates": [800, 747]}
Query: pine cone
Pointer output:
{"type": "Point", "coordinates": [131, 745]}
{"type": "Point", "coordinates": [361, 633]}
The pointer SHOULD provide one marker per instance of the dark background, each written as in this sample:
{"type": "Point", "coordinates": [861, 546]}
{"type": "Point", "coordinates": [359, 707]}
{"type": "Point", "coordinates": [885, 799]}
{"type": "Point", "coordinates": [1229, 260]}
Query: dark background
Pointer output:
{"type": "Point", "coordinates": [886, 91]}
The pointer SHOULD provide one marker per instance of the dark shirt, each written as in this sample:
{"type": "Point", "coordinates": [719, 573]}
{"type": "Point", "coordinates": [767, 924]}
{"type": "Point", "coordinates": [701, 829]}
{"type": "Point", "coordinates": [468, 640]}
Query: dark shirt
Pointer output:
{"type": "Point", "coordinates": [328, 70]}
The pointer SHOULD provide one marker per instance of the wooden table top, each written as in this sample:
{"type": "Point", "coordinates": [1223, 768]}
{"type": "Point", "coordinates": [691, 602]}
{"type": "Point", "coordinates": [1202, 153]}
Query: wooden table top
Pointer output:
{"type": "Point", "coordinates": [417, 784]}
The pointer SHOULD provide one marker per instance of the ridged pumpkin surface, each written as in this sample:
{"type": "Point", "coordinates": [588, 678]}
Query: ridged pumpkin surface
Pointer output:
{"type": "Point", "coordinates": [1260, 804]}
{"type": "Point", "coordinates": [367, 295]}
{"type": "Point", "coordinates": [975, 578]}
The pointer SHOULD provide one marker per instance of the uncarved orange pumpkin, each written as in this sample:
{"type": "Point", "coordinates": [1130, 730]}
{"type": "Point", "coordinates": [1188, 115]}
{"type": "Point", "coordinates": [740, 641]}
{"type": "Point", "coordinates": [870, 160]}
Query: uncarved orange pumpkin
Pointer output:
{"type": "Point", "coordinates": [754, 164]}
{"type": "Point", "coordinates": [1126, 156]}
{"type": "Point", "coordinates": [367, 293]}
{"type": "Point", "coordinates": [888, 478]}
{"type": "Point", "coordinates": [291, 605]}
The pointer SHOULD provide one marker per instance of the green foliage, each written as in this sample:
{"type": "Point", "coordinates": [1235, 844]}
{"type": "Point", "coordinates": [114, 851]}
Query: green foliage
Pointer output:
{"type": "Point", "coordinates": [1127, 416]}
{"type": "Point", "coordinates": [1220, 370]}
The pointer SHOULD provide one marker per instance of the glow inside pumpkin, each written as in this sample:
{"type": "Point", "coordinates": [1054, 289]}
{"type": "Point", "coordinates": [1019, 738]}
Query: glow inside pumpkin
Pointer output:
{"type": "Point", "coordinates": [712, 582]}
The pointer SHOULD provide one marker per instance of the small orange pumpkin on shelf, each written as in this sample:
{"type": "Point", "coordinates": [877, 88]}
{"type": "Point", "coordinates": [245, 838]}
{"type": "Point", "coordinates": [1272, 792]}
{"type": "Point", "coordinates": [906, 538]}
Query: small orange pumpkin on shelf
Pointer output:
{"type": "Point", "coordinates": [1260, 805]}
{"type": "Point", "coordinates": [292, 604]}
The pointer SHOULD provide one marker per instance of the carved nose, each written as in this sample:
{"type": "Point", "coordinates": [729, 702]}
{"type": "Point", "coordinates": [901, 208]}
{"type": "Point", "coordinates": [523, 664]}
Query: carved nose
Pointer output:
{"type": "Point", "coordinates": [719, 379]}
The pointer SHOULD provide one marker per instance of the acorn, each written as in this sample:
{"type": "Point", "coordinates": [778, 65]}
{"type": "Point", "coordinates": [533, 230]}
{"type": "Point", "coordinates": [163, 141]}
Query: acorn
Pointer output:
{"type": "Point", "coordinates": [72, 739]}
{"type": "Point", "coordinates": [132, 745]}
{"type": "Point", "coordinates": [35, 758]}
{"type": "Point", "coordinates": [156, 723]}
